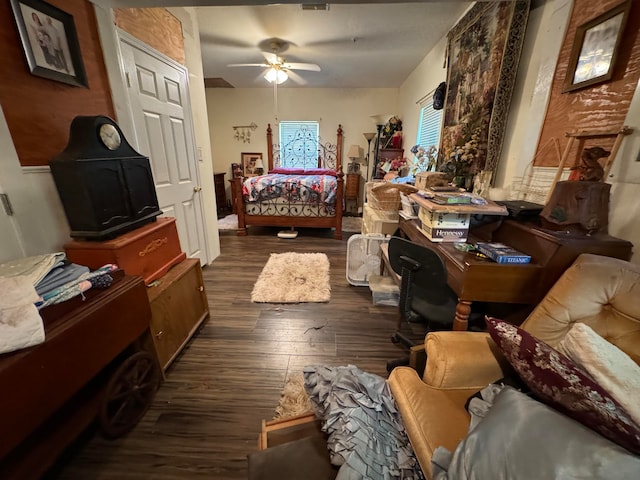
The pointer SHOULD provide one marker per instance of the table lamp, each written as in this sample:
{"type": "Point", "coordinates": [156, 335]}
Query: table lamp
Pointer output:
{"type": "Point", "coordinates": [354, 155]}
{"type": "Point", "coordinates": [259, 167]}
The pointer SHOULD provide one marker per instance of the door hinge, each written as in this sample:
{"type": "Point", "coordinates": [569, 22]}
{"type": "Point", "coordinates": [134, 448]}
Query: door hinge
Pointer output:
{"type": "Point", "coordinates": [6, 203]}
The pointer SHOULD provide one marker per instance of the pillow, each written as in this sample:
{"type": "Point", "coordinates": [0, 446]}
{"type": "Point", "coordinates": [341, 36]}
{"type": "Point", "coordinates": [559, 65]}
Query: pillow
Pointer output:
{"type": "Point", "coordinates": [607, 364]}
{"type": "Point", "coordinates": [320, 171]}
{"type": "Point", "coordinates": [287, 171]}
{"type": "Point", "coordinates": [521, 438]}
{"type": "Point", "coordinates": [557, 381]}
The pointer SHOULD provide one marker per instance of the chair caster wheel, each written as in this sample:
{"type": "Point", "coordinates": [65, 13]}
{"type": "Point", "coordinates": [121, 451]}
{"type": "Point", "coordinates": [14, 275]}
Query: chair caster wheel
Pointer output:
{"type": "Point", "coordinates": [398, 362]}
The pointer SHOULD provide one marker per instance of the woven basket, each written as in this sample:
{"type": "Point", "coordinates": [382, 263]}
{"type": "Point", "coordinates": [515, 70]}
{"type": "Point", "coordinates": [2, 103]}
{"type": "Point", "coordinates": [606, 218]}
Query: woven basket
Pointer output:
{"type": "Point", "coordinates": [386, 196]}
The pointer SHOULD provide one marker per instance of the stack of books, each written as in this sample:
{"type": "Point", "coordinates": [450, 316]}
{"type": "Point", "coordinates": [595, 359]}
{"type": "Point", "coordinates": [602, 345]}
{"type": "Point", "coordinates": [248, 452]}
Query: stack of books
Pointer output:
{"type": "Point", "coordinates": [442, 198]}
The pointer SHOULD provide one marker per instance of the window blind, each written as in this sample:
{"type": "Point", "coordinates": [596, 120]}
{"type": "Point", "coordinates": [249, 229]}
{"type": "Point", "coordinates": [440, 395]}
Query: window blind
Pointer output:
{"type": "Point", "coordinates": [298, 144]}
{"type": "Point", "coordinates": [429, 126]}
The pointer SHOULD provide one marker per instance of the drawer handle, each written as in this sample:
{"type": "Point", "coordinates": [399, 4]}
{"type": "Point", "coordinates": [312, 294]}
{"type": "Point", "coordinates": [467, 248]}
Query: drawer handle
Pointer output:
{"type": "Point", "coordinates": [160, 334]}
{"type": "Point", "coordinates": [201, 288]}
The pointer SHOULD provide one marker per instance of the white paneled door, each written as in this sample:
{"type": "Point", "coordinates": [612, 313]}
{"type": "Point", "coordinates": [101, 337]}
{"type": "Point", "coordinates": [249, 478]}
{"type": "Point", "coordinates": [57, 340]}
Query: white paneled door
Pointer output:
{"type": "Point", "coordinates": [159, 102]}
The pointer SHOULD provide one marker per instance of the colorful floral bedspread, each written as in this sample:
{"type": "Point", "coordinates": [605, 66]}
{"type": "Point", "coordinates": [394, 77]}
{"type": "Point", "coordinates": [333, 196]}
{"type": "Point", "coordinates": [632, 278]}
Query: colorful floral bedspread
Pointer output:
{"type": "Point", "coordinates": [311, 189]}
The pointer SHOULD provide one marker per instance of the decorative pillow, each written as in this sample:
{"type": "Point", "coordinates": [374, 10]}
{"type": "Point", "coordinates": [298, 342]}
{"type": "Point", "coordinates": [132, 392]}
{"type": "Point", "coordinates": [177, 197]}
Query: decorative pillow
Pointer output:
{"type": "Point", "coordinates": [607, 364]}
{"type": "Point", "coordinates": [556, 380]}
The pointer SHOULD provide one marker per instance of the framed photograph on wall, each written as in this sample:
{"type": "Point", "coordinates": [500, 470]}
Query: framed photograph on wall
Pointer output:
{"type": "Point", "coordinates": [595, 48]}
{"type": "Point", "coordinates": [252, 164]}
{"type": "Point", "coordinates": [50, 41]}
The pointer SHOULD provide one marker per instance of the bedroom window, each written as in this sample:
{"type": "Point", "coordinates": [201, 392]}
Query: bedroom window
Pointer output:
{"type": "Point", "coordinates": [430, 121]}
{"type": "Point", "coordinates": [299, 144]}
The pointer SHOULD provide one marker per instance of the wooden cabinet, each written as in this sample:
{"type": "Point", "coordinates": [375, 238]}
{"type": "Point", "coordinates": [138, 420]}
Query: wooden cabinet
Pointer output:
{"type": "Point", "coordinates": [178, 307]}
{"type": "Point", "coordinates": [221, 194]}
{"type": "Point", "coordinates": [352, 189]}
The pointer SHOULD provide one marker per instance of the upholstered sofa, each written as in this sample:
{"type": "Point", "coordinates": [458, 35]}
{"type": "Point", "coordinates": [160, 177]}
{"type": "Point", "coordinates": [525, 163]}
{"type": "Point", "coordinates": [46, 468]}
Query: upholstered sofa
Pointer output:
{"type": "Point", "coordinates": [602, 292]}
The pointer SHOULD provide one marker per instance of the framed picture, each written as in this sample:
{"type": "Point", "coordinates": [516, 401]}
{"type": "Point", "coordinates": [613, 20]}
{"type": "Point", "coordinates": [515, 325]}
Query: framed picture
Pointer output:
{"type": "Point", "coordinates": [595, 48]}
{"type": "Point", "coordinates": [252, 164]}
{"type": "Point", "coordinates": [50, 42]}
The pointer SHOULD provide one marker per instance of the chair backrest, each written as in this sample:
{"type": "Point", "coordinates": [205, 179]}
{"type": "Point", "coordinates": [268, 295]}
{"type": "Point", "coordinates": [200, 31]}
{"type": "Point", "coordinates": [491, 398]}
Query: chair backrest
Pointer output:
{"type": "Point", "coordinates": [428, 275]}
{"type": "Point", "coordinates": [602, 292]}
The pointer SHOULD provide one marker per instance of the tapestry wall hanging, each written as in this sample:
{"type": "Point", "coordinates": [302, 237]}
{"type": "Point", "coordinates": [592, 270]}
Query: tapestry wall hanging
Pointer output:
{"type": "Point", "coordinates": [482, 57]}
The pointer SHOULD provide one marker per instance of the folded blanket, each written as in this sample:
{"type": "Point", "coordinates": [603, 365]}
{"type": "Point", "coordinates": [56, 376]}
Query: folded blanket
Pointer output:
{"type": "Point", "coordinates": [34, 268]}
{"type": "Point", "coordinates": [20, 322]}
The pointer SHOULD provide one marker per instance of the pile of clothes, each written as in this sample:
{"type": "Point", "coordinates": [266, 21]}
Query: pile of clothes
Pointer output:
{"type": "Point", "coordinates": [30, 284]}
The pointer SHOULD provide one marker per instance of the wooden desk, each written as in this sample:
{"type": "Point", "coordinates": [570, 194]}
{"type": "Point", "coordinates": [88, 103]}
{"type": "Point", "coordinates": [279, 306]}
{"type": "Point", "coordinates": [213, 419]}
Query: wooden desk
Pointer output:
{"type": "Point", "coordinates": [478, 279]}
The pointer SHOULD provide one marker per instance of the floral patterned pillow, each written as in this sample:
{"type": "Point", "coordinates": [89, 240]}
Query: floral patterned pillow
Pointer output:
{"type": "Point", "coordinates": [557, 381]}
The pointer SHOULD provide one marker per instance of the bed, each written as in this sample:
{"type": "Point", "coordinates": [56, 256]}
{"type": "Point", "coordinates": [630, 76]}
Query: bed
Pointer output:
{"type": "Point", "coordinates": [303, 196]}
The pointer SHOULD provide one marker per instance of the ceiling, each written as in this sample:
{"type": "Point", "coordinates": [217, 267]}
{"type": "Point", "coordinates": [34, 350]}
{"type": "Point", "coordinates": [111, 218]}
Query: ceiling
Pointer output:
{"type": "Point", "coordinates": [355, 43]}
{"type": "Point", "coordinates": [365, 45]}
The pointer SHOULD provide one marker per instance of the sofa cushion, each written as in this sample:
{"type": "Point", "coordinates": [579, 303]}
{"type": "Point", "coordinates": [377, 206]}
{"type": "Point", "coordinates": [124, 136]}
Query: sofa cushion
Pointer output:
{"type": "Point", "coordinates": [521, 438]}
{"type": "Point", "coordinates": [556, 380]}
{"type": "Point", "coordinates": [607, 364]}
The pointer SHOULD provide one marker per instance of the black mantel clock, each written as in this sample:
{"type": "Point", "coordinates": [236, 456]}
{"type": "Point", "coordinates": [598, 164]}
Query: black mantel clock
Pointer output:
{"type": "Point", "coordinates": [106, 187]}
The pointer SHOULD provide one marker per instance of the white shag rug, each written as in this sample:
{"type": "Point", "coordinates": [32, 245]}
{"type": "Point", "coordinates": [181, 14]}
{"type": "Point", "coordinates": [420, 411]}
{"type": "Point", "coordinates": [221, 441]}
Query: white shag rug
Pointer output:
{"type": "Point", "coordinates": [349, 224]}
{"type": "Point", "coordinates": [230, 222]}
{"type": "Point", "coordinates": [293, 278]}
{"type": "Point", "coordinates": [294, 400]}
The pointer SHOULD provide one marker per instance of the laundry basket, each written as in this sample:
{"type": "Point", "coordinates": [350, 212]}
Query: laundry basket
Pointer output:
{"type": "Point", "coordinates": [386, 196]}
{"type": "Point", "coordinates": [364, 257]}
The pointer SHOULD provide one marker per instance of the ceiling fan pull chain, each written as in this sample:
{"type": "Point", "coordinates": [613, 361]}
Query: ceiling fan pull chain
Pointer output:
{"type": "Point", "coordinates": [275, 100]}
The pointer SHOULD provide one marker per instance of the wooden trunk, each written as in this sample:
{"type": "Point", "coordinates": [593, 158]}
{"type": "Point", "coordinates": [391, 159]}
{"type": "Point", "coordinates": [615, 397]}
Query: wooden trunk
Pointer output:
{"type": "Point", "coordinates": [178, 307]}
{"type": "Point", "coordinates": [149, 251]}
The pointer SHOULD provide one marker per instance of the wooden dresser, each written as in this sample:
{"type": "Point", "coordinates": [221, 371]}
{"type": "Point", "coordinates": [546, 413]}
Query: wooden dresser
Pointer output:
{"type": "Point", "coordinates": [178, 307]}
{"type": "Point", "coordinates": [352, 189]}
{"type": "Point", "coordinates": [221, 194]}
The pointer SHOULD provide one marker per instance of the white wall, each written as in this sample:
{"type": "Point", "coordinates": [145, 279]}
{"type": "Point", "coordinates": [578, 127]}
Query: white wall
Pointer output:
{"type": "Point", "coordinates": [423, 80]}
{"type": "Point", "coordinates": [39, 222]}
{"type": "Point", "coordinates": [350, 107]}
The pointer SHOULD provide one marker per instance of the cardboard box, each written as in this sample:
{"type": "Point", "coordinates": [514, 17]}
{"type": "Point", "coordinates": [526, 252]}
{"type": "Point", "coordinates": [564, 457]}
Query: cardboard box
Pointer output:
{"type": "Point", "coordinates": [425, 180]}
{"type": "Point", "coordinates": [439, 234]}
{"type": "Point", "coordinates": [444, 220]}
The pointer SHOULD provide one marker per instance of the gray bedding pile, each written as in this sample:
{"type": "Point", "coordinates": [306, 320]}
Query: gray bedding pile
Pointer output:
{"type": "Point", "coordinates": [366, 435]}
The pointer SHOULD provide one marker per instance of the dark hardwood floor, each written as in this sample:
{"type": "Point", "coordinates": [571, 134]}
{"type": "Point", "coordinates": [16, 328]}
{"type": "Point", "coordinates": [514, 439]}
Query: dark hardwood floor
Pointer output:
{"type": "Point", "coordinates": [206, 416]}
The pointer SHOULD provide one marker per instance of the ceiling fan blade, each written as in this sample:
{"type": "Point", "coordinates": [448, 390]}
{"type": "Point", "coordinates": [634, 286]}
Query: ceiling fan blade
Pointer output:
{"type": "Point", "coordinates": [271, 58]}
{"type": "Point", "coordinates": [311, 67]}
{"type": "Point", "coordinates": [296, 78]}
{"type": "Point", "coordinates": [248, 65]}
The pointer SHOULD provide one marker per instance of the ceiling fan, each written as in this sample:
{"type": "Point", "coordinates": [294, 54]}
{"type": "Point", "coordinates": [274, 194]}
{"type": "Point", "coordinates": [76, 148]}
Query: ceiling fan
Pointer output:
{"type": "Point", "coordinates": [278, 69]}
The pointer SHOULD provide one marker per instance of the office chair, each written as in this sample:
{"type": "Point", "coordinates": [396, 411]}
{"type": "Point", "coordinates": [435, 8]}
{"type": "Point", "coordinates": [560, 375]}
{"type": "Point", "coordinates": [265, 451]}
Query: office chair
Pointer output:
{"type": "Point", "coordinates": [424, 293]}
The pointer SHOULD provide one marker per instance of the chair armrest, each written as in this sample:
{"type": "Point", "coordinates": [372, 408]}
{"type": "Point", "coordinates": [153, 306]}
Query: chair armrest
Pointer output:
{"type": "Point", "coordinates": [463, 359]}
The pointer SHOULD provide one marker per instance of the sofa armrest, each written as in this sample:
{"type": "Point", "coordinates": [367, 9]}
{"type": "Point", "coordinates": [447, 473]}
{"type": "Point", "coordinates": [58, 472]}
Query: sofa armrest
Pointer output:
{"type": "Point", "coordinates": [463, 359]}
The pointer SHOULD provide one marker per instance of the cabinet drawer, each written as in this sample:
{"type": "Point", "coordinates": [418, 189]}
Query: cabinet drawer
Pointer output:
{"type": "Point", "coordinates": [352, 185]}
{"type": "Point", "coordinates": [178, 307]}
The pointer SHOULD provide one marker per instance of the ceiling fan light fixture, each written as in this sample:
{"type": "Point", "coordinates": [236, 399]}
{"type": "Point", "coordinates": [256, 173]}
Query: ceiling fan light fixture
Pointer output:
{"type": "Point", "coordinates": [276, 75]}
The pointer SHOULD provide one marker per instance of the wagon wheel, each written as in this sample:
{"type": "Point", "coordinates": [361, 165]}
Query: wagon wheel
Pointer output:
{"type": "Point", "coordinates": [128, 394]}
